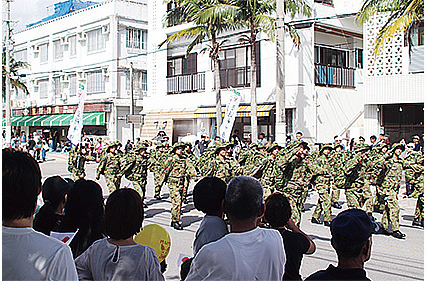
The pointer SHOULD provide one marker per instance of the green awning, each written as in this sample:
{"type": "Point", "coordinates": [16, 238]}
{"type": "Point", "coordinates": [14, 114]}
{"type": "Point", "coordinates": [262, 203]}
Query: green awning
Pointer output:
{"type": "Point", "coordinates": [13, 120]}
{"type": "Point", "coordinates": [56, 120]}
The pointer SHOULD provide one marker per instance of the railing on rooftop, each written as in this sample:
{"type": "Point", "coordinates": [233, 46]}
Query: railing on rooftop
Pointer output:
{"type": "Point", "coordinates": [186, 83]}
{"type": "Point", "coordinates": [335, 76]}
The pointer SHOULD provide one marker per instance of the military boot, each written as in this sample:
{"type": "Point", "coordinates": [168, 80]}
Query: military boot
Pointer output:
{"type": "Point", "coordinates": [416, 222]}
{"type": "Point", "coordinates": [398, 234]}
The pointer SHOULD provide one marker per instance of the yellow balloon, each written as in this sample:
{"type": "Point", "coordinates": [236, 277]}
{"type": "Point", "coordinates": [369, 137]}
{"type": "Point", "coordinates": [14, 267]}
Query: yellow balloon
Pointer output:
{"type": "Point", "coordinates": [156, 237]}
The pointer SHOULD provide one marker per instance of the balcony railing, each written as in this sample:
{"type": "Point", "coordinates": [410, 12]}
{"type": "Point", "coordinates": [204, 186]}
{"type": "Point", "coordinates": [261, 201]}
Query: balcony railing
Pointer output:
{"type": "Point", "coordinates": [186, 83]}
{"type": "Point", "coordinates": [335, 76]}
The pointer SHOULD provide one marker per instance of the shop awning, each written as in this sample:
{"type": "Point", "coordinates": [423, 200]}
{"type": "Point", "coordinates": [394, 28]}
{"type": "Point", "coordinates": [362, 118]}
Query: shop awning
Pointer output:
{"type": "Point", "coordinates": [243, 111]}
{"type": "Point", "coordinates": [13, 120]}
{"type": "Point", "coordinates": [56, 120]}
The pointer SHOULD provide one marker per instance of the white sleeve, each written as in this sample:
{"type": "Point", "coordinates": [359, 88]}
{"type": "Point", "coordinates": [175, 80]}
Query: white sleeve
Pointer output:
{"type": "Point", "coordinates": [153, 264]}
{"type": "Point", "coordinates": [83, 267]}
{"type": "Point", "coordinates": [62, 266]}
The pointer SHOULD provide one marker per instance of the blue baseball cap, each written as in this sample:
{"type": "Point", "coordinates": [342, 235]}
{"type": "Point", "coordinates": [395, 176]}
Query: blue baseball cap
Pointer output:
{"type": "Point", "coordinates": [353, 226]}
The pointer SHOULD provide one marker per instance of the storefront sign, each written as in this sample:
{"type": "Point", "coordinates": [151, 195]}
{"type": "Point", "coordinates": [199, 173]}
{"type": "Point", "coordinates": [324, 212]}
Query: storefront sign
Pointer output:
{"type": "Point", "coordinates": [229, 118]}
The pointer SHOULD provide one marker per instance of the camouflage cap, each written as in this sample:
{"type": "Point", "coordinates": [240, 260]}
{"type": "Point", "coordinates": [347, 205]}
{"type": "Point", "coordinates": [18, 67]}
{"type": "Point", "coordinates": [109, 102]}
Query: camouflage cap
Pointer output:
{"type": "Point", "coordinates": [338, 145]}
{"type": "Point", "coordinates": [253, 144]}
{"type": "Point", "coordinates": [382, 145]}
{"type": "Point", "coordinates": [188, 144]}
{"type": "Point", "coordinates": [272, 147]}
{"type": "Point", "coordinates": [304, 145]}
{"type": "Point", "coordinates": [260, 146]}
{"type": "Point", "coordinates": [325, 146]}
{"type": "Point", "coordinates": [111, 144]}
{"type": "Point", "coordinates": [360, 147]}
{"type": "Point", "coordinates": [175, 146]}
{"type": "Point", "coordinates": [396, 145]}
{"type": "Point", "coordinates": [220, 146]}
{"type": "Point", "coordinates": [160, 145]}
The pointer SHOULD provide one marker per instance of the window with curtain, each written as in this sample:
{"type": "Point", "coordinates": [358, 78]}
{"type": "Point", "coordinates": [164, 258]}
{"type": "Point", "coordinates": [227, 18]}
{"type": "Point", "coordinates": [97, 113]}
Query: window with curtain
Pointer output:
{"type": "Point", "coordinates": [72, 46]}
{"type": "Point", "coordinates": [57, 86]}
{"type": "Point", "coordinates": [21, 55]}
{"type": "Point", "coordinates": [43, 88]}
{"type": "Point", "coordinates": [95, 82]}
{"type": "Point", "coordinates": [95, 40]}
{"type": "Point", "coordinates": [58, 50]}
{"type": "Point", "coordinates": [72, 85]}
{"type": "Point", "coordinates": [43, 49]}
{"type": "Point", "coordinates": [136, 38]}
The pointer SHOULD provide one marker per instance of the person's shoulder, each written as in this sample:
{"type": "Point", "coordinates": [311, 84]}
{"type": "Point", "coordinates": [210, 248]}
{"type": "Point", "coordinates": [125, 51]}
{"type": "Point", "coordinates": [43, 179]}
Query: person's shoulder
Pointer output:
{"type": "Point", "coordinates": [319, 275]}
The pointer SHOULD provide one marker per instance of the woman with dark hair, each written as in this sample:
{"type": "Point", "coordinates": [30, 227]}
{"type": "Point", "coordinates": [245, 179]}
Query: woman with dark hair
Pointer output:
{"type": "Point", "coordinates": [50, 215]}
{"type": "Point", "coordinates": [83, 213]}
{"type": "Point", "coordinates": [118, 257]}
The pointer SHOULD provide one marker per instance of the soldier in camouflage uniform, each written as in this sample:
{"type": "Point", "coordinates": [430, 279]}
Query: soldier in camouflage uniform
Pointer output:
{"type": "Point", "coordinates": [76, 163]}
{"type": "Point", "coordinates": [323, 186]}
{"type": "Point", "coordinates": [337, 160]}
{"type": "Point", "coordinates": [377, 176]}
{"type": "Point", "coordinates": [135, 168]}
{"type": "Point", "coordinates": [220, 165]}
{"type": "Point", "coordinates": [246, 152]}
{"type": "Point", "coordinates": [414, 174]}
{"type": "Point", "coordinates": [358, 192]}
{"type": "Point", "coordinates": [194, 160]}
{"type": "Point", "coordinates": [176, 169]}
{"type": "Point", "coordinates": [157, 159]}
{"type": "Point", "coordinates": [268, 179]}
{"type": "Point", "coordinates": [255, 162]}
{"type": "Point", "coordinates": [393, 174]}
{"type": "Point", "coordinates": [293, 175]}
{"type": "Point", "coordinates": [110, 167]}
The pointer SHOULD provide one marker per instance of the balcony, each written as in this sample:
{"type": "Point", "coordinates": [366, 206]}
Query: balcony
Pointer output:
{"type": "Point", "coordinates": [334, 76]}
{"type": "Point", "coordinates": [186, 83]}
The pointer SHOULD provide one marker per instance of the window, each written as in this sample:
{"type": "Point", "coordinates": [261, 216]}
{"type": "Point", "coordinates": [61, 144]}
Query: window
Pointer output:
{"type": "Point", "coordinates": [72, 44]}
{"type": "Point", "coordinates": [139, 80]}
{"type": "Point", "coordinates": [95, 41]}
{"type": "Point", "coordinates": [58, 50]}
{"type": "Point", "coordinates": [21, 55]}
{"type": "Point", "coordinates": [330, 56]}
{"type": "Point", "coordinates": [43, 88]}
{"type": "Point", "coordinates": [43, 49]}
{"type": "Point", "coordinates": [95, 82]}
{"type": "Point", "coordinates": [136, 38]}
{"type": "Point", "coordinates": [417, 33]}
{"type": "Point", "coordinates": [290, 121]}
{"type": "Point", "coordinates": [359, 58]}
{"type": "Point", "coordinates": [57, 86]}
{"type": "Point", "coordinates": [72, 85]}
{"type": "Point", "coordinates": [327, 2]}
{"type": "Point", "coordinates": [182, 66]}
{"type": "Point", "coordinates": [235, 67]}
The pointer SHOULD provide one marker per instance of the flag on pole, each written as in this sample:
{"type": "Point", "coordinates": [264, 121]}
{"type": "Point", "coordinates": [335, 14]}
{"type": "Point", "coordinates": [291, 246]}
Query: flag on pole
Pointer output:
{"type": "Point", "coordinates": [75, 128]}
{"type": "Point", "coordinates": [230, 114]}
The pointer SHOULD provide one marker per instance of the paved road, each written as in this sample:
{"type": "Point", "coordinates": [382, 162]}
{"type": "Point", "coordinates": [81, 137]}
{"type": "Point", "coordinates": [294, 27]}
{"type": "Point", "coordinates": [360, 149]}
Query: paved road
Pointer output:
{"type": "Point", "coordinates": [392, 259]}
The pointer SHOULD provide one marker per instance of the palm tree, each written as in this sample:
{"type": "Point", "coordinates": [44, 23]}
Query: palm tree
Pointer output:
{"type": "Point", "coordinates": [15, 79]}
{"type": "Point", "coordinates": [255, 15]}
{"type": "Point", "coordinates": [403, 14]}
{"type": "Point", "coordinates": [210, 18]}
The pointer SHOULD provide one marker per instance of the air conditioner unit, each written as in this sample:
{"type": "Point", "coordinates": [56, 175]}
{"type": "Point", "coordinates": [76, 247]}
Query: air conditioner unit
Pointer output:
{"type": "Point", "coordinates": [64, 79]}
{"type": "Point", "coordinates": [64, 41]}
{"type": "Point", "coordinates": [82, 36]}
{"type": "Point", "coordinates": [105, 29]}
{"type": "Point", "coordinates": [36, 49]}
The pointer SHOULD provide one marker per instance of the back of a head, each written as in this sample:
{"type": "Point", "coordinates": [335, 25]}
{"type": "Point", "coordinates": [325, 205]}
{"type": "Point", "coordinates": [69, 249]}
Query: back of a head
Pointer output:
{"type": "Point", "coordinates": [208, 195]}
{"type": "Point", "coordinates": [278, 210]}
{"type": "Point", "coordinates": [22, 181]}
{"type": "Point", "coordinates": [244, 198]}
{"type": "Point", "coordinates": [350, 230]}
{"type": "Point", "coordinates": [54, 189]}
{"type": "Point", "coordinates": [84, 206]}
{"type": "Point", "coordinates": [124, 213]}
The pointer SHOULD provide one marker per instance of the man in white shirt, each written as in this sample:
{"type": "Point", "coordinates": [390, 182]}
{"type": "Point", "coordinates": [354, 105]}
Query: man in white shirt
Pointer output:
{"type": "Point", "coordinates": [248, 252]}
{"type": "Point", "coordinates": [28, 254]}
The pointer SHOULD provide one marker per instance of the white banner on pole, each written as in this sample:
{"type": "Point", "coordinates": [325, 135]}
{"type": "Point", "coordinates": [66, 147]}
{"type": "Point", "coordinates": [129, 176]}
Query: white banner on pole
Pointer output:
{"type": "Point", "coordinates": [230, 114]}
{"type": "Point", "coordinates": [75, 128]}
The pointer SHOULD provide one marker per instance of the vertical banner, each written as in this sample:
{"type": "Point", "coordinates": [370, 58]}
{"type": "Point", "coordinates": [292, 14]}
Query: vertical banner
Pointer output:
{"type": "Point", "coordinates": [230, 114]}
{"type": "Point", "coordinates": [75, 128]}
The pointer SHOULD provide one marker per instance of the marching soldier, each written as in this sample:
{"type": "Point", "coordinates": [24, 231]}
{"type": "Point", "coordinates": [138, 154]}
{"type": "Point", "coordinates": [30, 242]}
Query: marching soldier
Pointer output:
{"type": "Point", "coordinates": [157, 159]}
{"type": "Point", "coordinates": [176, 169]}
{"type": "Point", "coordinates": [220, 165]}
{"type": "Point", "coordinates": [338, 159]}
{"type": "Point", "coordinates": [415, 176]}
{"type": "Point", "coordinates": [323, 186]}
{"type": "Point", "coordinates": [194, 160]}
{"type": "Point", "coordinates": [268, 179]}
{"type": "Point", "coordinates": [135, 169]}
{"type": "Point", "coordinates": [76, 164]}
{"type": "Point", "coordinates": [110, 167]}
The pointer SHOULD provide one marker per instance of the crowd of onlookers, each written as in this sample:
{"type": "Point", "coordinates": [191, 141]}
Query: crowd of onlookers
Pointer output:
{"type": "Point", "coordinates": [241, 237]}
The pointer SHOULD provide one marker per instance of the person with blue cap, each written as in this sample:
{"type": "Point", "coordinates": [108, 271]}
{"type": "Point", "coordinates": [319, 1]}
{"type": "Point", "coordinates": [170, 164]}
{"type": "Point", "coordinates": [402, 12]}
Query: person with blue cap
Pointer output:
{"type": "Point", "coordinates": [351, 238]}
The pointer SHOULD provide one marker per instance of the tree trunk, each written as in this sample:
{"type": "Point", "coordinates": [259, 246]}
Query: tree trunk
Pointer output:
{"type": "Point", "coordinates": [253, 84]}
{"type": "Point", "coordinates": [217, 84]}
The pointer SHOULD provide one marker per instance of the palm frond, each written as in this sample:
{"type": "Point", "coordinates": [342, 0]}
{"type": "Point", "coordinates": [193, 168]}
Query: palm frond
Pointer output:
{"type": "Point", "coordinates": [293, 33]}
{"type": "Point", "coordinates": [217, 14]}
{"type": "Point", "coordinates": [187, 33]}
{"type": "Point", "coordinates": [294, 7]}
{"type": "Point", "coordinates": [267, 24]}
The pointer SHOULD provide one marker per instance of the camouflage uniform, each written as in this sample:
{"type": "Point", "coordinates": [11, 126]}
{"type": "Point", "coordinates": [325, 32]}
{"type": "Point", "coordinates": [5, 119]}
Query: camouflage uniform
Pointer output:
{"type": "Point", "coordinates": [194, 160]}
{"type": "Point", "coordinates": [110, 166]}
{"type": "Point", "coordinates": [76, 163]}
{"type": "Point", "coordinates": [269, 170]}
{"type": "Point", "coordinates": [390, 185]}
{"type": "Point", "coordinates": [255, 163]}
{"type": "Point", "coordinates": [135, 169]}
{"type": "Point", "coordinates": [245, 153]}
{"type": "Point", "coordinates": [157, 159]}
{"type": "Point", "coordinates": [377, 176]}
{"type": "Point", "coordinates": [414, 175]}
{"type": "Point", "coordinates": [337, 160]}
{"type": "Point", "coordinates": [357, 192]}
{"type": "Point", "coordinates": [225, 169]}
{"type": "Point", "coordinates": [176, 170]}
{"type": "Point", "coordinates": [323, 185]}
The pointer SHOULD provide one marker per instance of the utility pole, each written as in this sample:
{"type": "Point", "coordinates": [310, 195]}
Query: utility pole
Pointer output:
{"type": "Point", "coordinates": [132, 111]}
{"type": "Point", "coordinates": [7, 43]}
{"type": "Point", "coordinates": [280, 111]}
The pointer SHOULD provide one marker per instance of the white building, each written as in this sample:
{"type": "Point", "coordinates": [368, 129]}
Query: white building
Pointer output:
{"type": "Point", "coordinates": [324, 84]}
{"type": "Point", "coordinates": [93, 46]}
{"type": "Point", "coordinates": [394, 83]}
